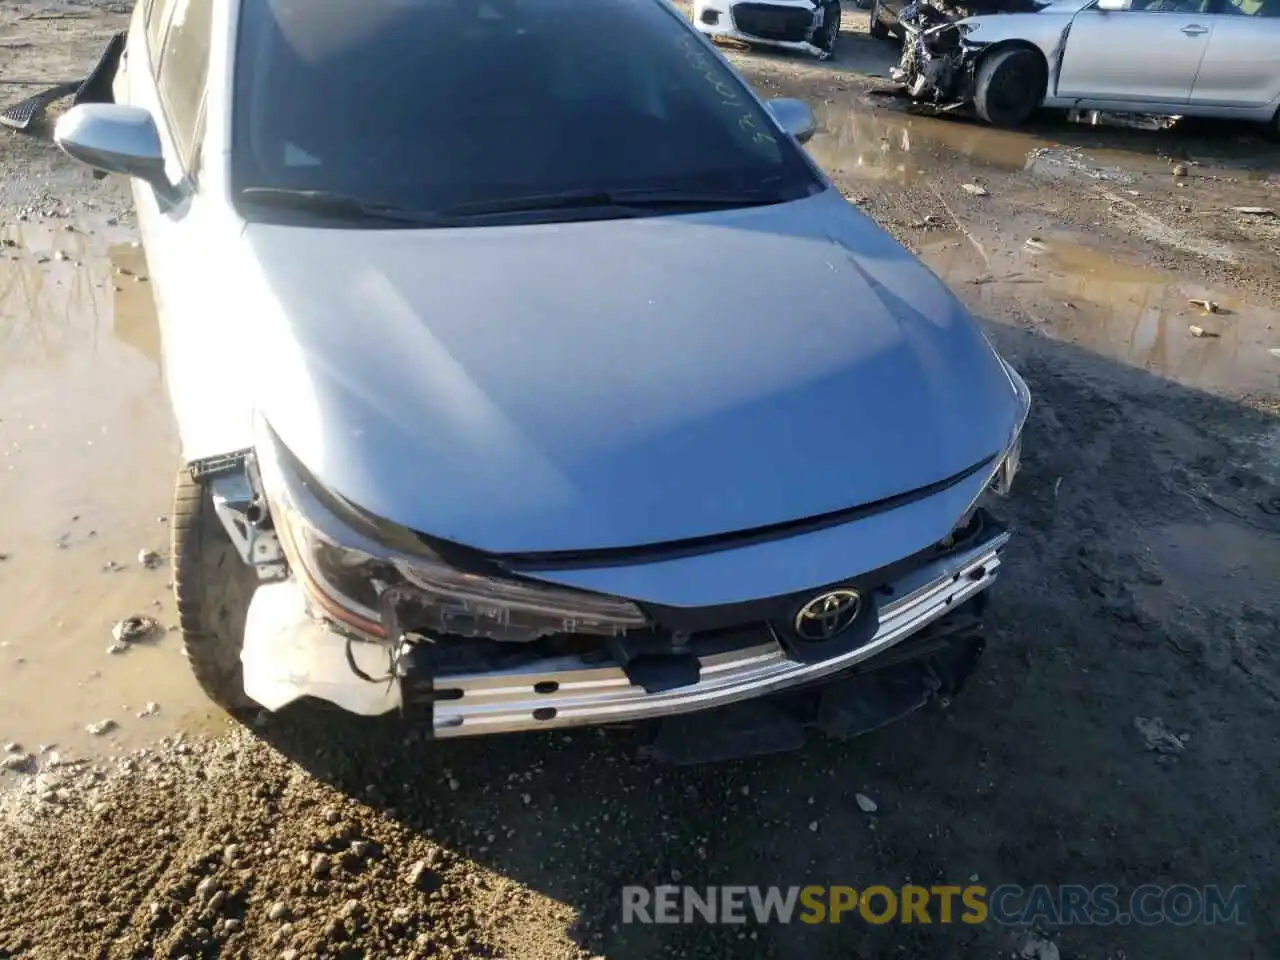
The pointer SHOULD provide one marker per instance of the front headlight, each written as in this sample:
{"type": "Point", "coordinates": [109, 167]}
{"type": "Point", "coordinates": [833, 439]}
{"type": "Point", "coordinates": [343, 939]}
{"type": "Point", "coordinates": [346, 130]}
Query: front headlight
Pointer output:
{"type": "Point", "coordinates": [383, 580]}
{"type": "Point", "coordinates": [1002, 482]}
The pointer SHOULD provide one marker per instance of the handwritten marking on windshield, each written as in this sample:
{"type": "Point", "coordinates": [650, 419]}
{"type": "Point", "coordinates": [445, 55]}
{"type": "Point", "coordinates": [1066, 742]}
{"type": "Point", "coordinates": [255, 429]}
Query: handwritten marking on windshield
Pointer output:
{"type": "Point", "coordinates": [728, 96]}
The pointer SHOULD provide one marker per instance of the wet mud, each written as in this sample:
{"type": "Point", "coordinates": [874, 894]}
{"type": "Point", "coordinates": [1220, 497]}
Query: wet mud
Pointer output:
{"type": "Point", "coordinates": [1209, 339]}
{"type": "Point", "coordinates": [87, 456]}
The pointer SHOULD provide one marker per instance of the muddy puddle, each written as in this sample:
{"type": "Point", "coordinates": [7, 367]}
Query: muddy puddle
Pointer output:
{"type": "Point", "coordinates": [1108, 304]}
{"type": "Point", "coordinates": [87, 457]}
{"type": "Point", "coordinates": [895, 144]}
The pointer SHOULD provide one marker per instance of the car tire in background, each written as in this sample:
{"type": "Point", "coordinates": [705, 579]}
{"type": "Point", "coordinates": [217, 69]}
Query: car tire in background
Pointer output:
{"type": "Point", "coordinates": [212, 587]}
{"type": "Point", "coordinates": [830, 27]}
{"type": "Point", "coordinates": [1009, 86]}
{"type": "Point", "coordinates": [876, 27]}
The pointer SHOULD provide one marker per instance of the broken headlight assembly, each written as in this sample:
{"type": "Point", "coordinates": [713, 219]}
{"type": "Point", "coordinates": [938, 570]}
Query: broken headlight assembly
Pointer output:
{"type": "Point", "coordinates": [1002, 480]}
{"type": "Point", "coordinates": [381, 580]}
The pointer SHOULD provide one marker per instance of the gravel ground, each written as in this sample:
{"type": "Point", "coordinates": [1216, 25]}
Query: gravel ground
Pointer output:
{"type": "Point", "coordinates": [1141, 584]}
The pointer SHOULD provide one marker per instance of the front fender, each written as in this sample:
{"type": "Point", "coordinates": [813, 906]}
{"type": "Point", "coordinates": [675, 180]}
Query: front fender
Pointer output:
{"type": "Point", "coordinates": [1046, 32]}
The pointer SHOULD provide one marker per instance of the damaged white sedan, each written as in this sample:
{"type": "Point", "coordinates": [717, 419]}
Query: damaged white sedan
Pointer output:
{"type": "Point", "coordinates": [579, 396]}
{"type": "Point", "coordinates": [806, 26]}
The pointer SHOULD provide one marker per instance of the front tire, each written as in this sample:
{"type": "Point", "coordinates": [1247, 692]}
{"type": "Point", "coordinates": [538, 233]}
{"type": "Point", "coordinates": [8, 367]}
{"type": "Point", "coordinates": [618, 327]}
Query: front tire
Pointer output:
{"type": "Point", "coordinates": [826, 40]}
{"type": "Point", "coordinates": [212, 587]}
{"type": "Point", "coordinates": [876, 27]}
{"type": "Point", "coordinates": [1009, 86]}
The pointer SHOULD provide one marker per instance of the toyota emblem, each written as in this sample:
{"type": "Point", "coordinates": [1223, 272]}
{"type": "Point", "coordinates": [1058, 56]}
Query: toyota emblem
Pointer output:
{"type": "Point", "coordinates": [827, 615]}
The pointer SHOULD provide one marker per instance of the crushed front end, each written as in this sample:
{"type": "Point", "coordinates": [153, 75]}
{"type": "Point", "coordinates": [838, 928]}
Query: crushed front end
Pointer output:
{"type": "Point", "coordinates": [937, 65]}
{"type": "Point", "coordinates": [943, 42]}
{"type": "Point", "coordinates": [376, 619]}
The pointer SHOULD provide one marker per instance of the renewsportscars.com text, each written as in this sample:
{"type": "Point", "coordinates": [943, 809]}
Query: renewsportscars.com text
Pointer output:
{"type": "Point", "coordinates": [1066, 904]}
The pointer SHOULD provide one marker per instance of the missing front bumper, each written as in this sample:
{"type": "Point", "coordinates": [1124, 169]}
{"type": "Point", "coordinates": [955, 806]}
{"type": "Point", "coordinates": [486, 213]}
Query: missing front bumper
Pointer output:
{"type": "Point", "coordinates": [288, 655]}
{"type": "Point", "coordinates": [937, 64]}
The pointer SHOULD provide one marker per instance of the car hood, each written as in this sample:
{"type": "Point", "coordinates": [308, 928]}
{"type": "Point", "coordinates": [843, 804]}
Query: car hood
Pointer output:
{"type": "Point", "coordinates": [616, 383]}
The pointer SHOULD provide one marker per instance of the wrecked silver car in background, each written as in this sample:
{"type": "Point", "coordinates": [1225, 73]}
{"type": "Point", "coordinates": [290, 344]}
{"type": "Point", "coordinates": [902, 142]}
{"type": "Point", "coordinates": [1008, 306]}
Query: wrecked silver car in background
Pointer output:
{"type": "Point", "coordinates": [806, 26]}
{"type": "Point", "coordinates": [1210, 58]}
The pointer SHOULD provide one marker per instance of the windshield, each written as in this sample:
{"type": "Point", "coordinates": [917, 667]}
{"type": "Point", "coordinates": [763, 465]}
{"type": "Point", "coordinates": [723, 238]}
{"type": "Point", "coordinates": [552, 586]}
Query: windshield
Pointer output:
{"type": "Point", "coordinates": [430, 105]}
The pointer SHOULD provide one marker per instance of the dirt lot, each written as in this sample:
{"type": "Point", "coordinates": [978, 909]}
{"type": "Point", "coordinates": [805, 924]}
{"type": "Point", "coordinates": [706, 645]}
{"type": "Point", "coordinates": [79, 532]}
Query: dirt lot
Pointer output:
{"type": "Point", "coordinates": [1143, 582]}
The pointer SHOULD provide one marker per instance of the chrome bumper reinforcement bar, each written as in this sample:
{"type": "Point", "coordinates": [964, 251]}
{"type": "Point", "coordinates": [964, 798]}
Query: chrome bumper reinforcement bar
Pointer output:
{"type": "Point", "coordinates": [288, 655]}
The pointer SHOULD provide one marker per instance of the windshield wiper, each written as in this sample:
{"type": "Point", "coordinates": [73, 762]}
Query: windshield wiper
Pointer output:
{"type": "Point", "coordinates": [632, 200]}
{"type": "Point", "coordinates": [340, 205]}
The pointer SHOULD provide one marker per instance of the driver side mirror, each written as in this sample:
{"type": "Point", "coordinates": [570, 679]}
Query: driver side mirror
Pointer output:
{"type": "Point", "coordinates": [794, 116]}
{"type": "Point", "coordinates": [114, 138]}
{"type": "Point", "coordinates": [1113, 5]}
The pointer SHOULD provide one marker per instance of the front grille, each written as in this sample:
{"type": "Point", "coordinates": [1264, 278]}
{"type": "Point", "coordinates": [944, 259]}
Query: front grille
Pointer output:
{"type": "Point", "coordinates": [772, 23]}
